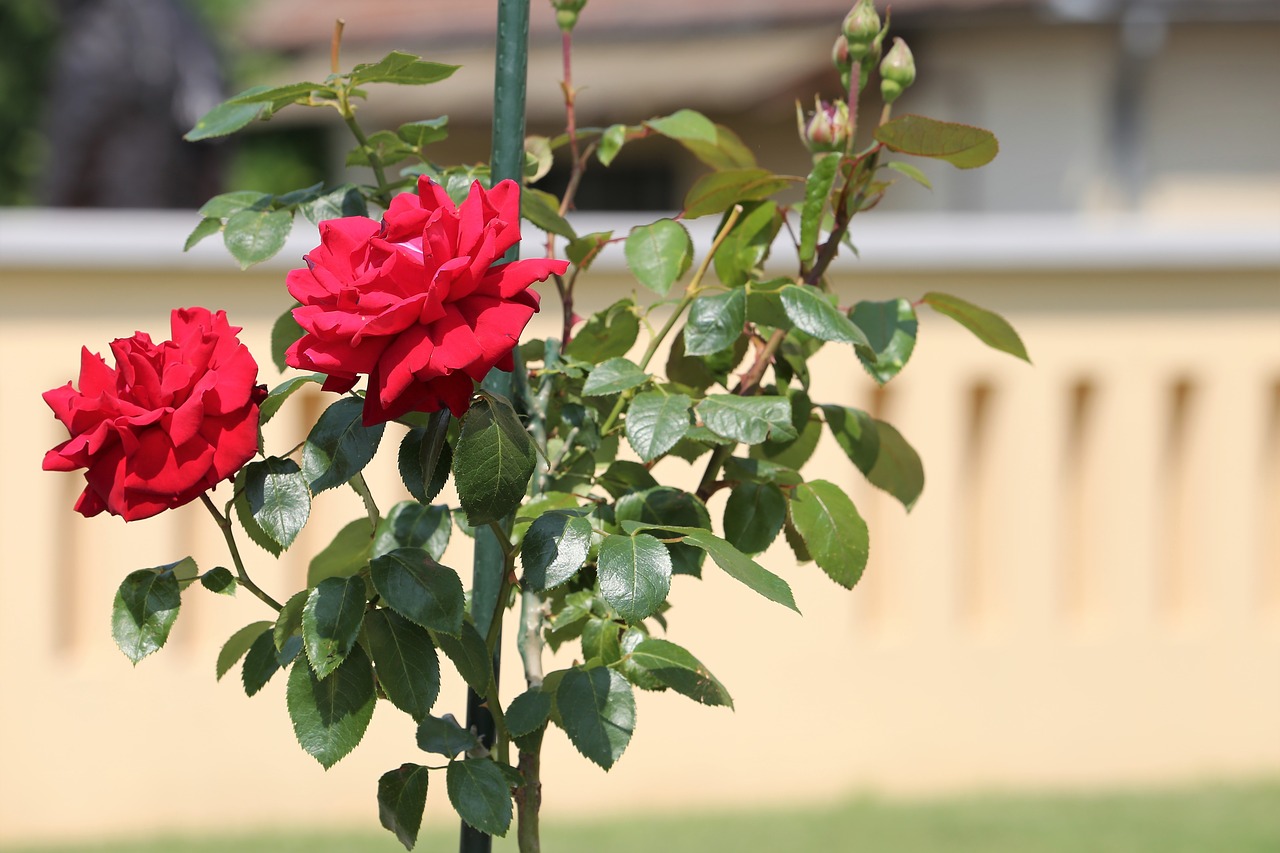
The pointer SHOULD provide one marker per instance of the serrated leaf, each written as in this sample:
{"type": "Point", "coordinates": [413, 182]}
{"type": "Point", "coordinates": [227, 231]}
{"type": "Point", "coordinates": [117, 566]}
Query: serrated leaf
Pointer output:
{"type": "Point", "coordinates": [443, 736]}
{"type": "Point", "coordinates": [611, 142]}
{"type": "Point", "coordinates": [206, 227]}
{"type": "Point", "coordinates": [719, 191]}
{"type": "Point", "coordinates": [613, 377]}
{"type": "Point", "coordinates": [384, 146]}
{"type": "Point", "coordinates": [817, 190]}
{"type": "Point", "coordinates": [343, 200]}
{"type": "Point", "coordinates": [607, 334]}
{"type": "Point", "coordinates": [220, 580]}
{"type": "Point", "coordinates": [600, 641]}
{"type": "Point", "coordinates": [760, 471]}
{"type": "Point", "coordinates": [855, 431]}
{"type": "Point", "coordinates": [420, 134]}
{"type": "Point", "coordinates": [528, 712]}
{"type": "Point", "coordinates": [331, 621]}
{"type": "Point", "coordinates": [289, 620]}
{"type": "Point", "coordinates": [339, 445]}
{"type": "Point", "coordinates": [405, 660]}
{"type": "Point", "coordinates": [583, 251]}
{"type": "Point", "coordinates": [409, 524]}
{"type": "Point", "coordinates": [715, 322]}
{"type": "Point", "coordinates": [401, 68]}
{"type": "Point", "coordinates": [753, 516]}
{"type": "Point", "coordinates": [960, 145]}
{"type": "Point", "coordinates": [897, 469]}
{"type": "Point", "coordinates": [659, 505]}
{"type": "Point", "coordinates": [659, 254]}
{"type": "Point", "coordinates": [749, 420]}
{"type": "Point", "coordinates": [634, 574]}
{"type": "Point", "coordinates": [278, 498]}
{"type": "Point", "coordinates": [911, 172]}
{"type": "Point", "coordinates": [833, 531]}
{"type": "Point", "coordinates": [238, 644]}
{"type": "Point", "coordinates": [480, 794]}
{"type": "Point", "coordinates": [402, 799]}
{"type": "Point", "coordinates": [226, 118]}
{"type": "Point", "coordinates": [625, 476]}
{"type": "Point", "coordinates": [277, 396]}
{"type": "Point", "coordinates": [747, 244]}
{"type": "Point", "coordinates": [554, 548]}
{"type": "Point", "coordinates": [675, 667]}
{"type": "Point", "coordinates": [598, 712]}
{"type": "Point", "coordinates": [990, 328]}
{"type": "Point", "coordinates": [543, 210]}
{"type": "Point", "coordinates": [274, 94]}
{"type": "Point", "coordinates": [890, 328]}
{"type": "Point", "coordinates": [144, 611]}
{"type": "Point", "coordinates": [419, 589]}
{"type": "Point", "coordinates": [685, 125]}
{"type": "Point", "coordinates": [469, 655]}
{"type": "Point", "coordinates": [252, 236]}
{"type": "Point", "coordinates": [738, 565]}
{"type": "Point", "coordinates": [656, 421]}
{"type": "Point", "coordinates": [493, 461]}
{"type": "Point", "coordinates": [346, 555]}
{"type": "Point", "coordinates": [425, 458]}
{"type": "Point", "coordinates": [330, 717]}
{"type": "Point", "coordinates": [808, 310]}
{"type": "Point", "coordinates": [224, 205]}
{"type": "Point", "coordinates": [727, 152]}
{"type": "Point", "coordinates": [284, 332]}
{"type": "Point", "coordinates": [264, 660]}
{"type": "Point", "coordinates": [794, 453]}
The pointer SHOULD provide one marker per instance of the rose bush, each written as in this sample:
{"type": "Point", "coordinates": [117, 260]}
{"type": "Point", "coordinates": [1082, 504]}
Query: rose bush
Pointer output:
{"type": "Point", "coordinates": [165, 425]}
{"type": "Point", "coordinates": [421, 303]}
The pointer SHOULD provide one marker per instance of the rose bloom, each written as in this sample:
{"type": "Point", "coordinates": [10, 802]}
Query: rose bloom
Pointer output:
{"type": "Point", "coordinates": [420, 303]}
{"type": "Point", "coordinates": [166, 424]}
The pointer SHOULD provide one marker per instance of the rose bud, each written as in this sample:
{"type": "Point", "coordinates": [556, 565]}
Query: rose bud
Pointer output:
{"type": "Point", "coordinates": [861, 27]}
{"type": "Point", "coordinates": [567, 13]}
{"type": "Point", "coordinates": [897, 71]}
{"type": "Point", "coordinates": [828, 128]}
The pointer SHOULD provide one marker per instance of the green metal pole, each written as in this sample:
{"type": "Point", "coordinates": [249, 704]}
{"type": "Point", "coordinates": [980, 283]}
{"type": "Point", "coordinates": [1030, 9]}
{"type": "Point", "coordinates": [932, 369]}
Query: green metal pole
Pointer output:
{"type": "Point", "coordinates": [507, 161]}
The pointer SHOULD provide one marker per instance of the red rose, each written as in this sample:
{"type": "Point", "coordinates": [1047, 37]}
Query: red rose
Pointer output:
{"type": "Point", "coordinates": [168, 423]}
{"type": "Point", "coordinates": [421, 304]}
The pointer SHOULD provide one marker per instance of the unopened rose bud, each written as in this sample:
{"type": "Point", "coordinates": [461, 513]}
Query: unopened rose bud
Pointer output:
{"type": "Point", "coordinates": [567, 13]}
{"type": "Point", "coordinates": [840, 55]}
{"type": "Point", "coordinates": [827, 129]}
{"type": "Point", "coordinates": [861, 26]}
{"type": "Point", "coordinates": [897, 72]}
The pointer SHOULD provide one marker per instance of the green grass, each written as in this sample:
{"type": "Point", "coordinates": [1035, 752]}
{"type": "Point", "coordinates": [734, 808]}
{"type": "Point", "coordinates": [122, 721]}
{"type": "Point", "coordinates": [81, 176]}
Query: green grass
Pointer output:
{"type": "Point", "coordinates": [1240, 818]}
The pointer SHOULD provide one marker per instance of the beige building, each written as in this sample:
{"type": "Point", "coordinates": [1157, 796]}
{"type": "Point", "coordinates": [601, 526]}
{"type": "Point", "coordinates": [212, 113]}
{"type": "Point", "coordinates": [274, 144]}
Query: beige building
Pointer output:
{"type": "Point", "coordinates": [1087, 594]}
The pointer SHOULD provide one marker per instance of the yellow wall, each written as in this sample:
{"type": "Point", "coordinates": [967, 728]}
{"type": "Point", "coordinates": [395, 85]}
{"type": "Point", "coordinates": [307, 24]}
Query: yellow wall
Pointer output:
{"type": "Point", "coordinates": [1087, 593]}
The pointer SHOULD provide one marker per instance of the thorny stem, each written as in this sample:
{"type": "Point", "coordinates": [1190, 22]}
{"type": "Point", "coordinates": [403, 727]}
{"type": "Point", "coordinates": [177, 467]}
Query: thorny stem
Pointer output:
{"type": "Point", "coordinates": [224, 523]}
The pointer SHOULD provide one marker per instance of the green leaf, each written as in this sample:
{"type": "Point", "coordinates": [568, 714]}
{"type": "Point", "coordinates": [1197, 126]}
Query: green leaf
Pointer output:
{"type": "Point", "coordinates": [331, 621]}
{"type": "Point", "coordinates": [298, 196]}
{"type": "Point", "coordinates": [405, 659]}
{"type": "Point", "coordinates": [443, 736]}
{"type": "Point", "coordinates": [656, 421]}
{"type": "Point", "coordinates": [227, 204]}
{"type": "Point", "coordinates": [855, 431]}
{"type": "Point", "coordinates": [598, 713]}
{"type": "Point", "coordinates": [600, 641]}
{"type": "Point", "coordinates": [634, 573]}
{"type": "Point", "coordinates": [206, 227]}
{"type": "Point", "coordinates": [583, 251]}
{"type": "Point", "coordinates": [747, 245]}
{"type": "Point", "coordinates": [330, 717]}
{"type": "Point", "coordinates": [890, 328]}
{"type": "Point", "coordinates": [626, 476]}
{"type": "Point", "coordinates": [808, 309]}
{"type": "Point", "coordinates": [833, 532]}
{"type": "Point", "coordinates": [661, 505]}
{"type": "Point", "coordinates": [715, 322]}
{"type": "Point", "coordinates": [278, 498]}
{"type": "Point", "coordinates": [240, 500]}
{"type": "Point", "coordinates": [275, 399]}
{"type": "Point", "coordinates": [226, 118]}
{"type": "Point", "coordinates": [346, 555]}
{"type": "Point", "coordinates": [283, 334]}
{"type": "Point", "coordinates": [272, 94]}
{"type": "Point", "coordinates": [493, 461]}
{"type": "Point", "coordinates": [613, 377]}
{"type": "Point", "coordinates": [794, 453]}
{"type": "Point", "coordinates": [402, 68]}
{"type": "Point", "coordinates": [911, 172]}
{"type": "Point", "coordinates": [425, 458]}
{"type": "Point", "coordinates": [611, 142]}
{"type": "Point", "coordinates": [402, 799]}
{"type": "Point", "coordinates": [252, 236]}
{"type": "Point", "coordinates": [469, 655]}
{"type": "Point", "coordinates": [237, 644]}
{"type": "Point", "coordinates": [409, 524]}
{"type": "Point", "coordinates": [749, 420]}
{"type": "Point", "coordinates": [727, 151]}
{"type": "Point", "coordinates": [753, 516]}
{"type": "Point", "coordinates": [898, 469]}
{"type": "Point", "coordinates": [420, 134]}
{"type": "Point", "coordinates": [220, 580]}
{"type": "Point", "coordinates": [607, 334]}
{"type": "Point", "coordinates": [543, 210]}
{"type": "Point", "coordinates": [992, 329]}
{"type": "Point", "coordinates": [719, 191]}
{"type": "Point", "coordinates": [738, 565]}
{"type": "Point", "coordinates": [760, 471]}
{"type": "Point", "coordinates": [659, 254]}
{"type": "Point", "coordinates": [681, 671]}
{"type": "Point", "coordinates": [344, 200]}
{"type": "Point", "coordinates": [419, 589]}
{"type": "Point", "coordinates": [960, 145]}
{"type": "Point", "coordinates": [339, 445]}
{"type": "Point", "coordinates": [143, 612]}
{"type": "Point", "coordinates": [817, 190]}
{"type": "Point", "coordinates": [554, 548]}
{"type": "Point", "coordinates": [528, 712]}
{"type": "Point", "coordinates": [289, 620]}
{"type": "Point", "coordinates": [480, 794]}
{"type": "Point", "coordinates": [685, 125]}
{"type": "Point", "coordinates": [384, 145]}
{"type": "Point", "coordinates": [264, 660]}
